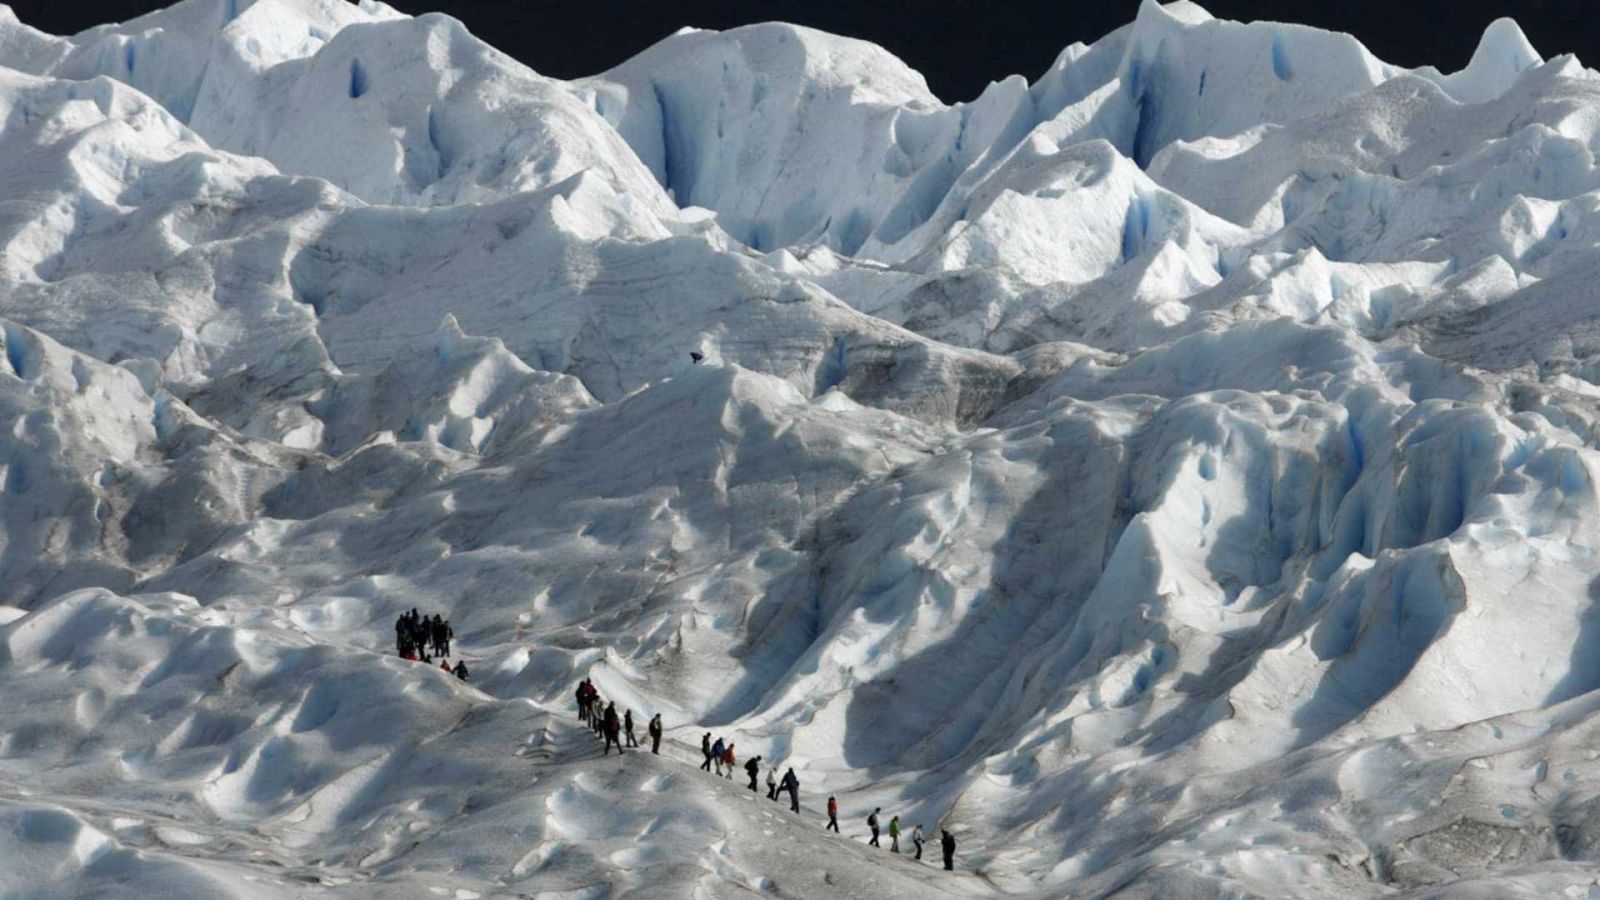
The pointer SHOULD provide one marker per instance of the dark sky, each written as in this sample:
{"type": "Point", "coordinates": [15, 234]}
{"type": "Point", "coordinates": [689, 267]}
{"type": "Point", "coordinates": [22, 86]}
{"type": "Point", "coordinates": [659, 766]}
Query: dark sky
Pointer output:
{"type": "Point", "coordinates": [959, 45]}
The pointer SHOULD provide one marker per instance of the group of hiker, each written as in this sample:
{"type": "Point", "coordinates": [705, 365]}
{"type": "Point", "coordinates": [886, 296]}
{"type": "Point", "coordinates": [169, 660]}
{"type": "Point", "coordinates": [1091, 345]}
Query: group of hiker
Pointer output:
{"type": "Point", "coordinates": [721, 762]}
{"type": "Point", "coordinates": [947, 841]}
{"type": "Point", "coordinates": [605, 722]}
{"type": "Point", "coordinates": [420, 638]}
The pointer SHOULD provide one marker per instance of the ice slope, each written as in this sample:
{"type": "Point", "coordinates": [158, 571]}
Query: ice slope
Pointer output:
{"type": "Point", "coordinates": [1176, 475]}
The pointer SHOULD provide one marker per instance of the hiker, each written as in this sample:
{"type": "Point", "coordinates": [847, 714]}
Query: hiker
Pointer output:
{"type": "Point", "coordinates": [792, 785]}
{"type": "Point", "coordinates": [916, 839]}
{"type": "Point", "coordinates": [872, 822]}
{"type": "Point", "coordinates": [727, 762]}
{"type": "Point", "coordinates": [600, 713]}
{"type": "Point", "coordinates": [445, 665]}
{"type": "Point", "coordinates": [947, 843]}
{"type": "Point", "coordinates": [583, 701]}
{"type": "Point", "coordinates": [717, 752]}
{"type": "Point", "coordinates": [754, 768]}
{"type": "Point", "coordinates": [833, 815]}
{"type": "Point", "coordinates": [894, 835]}
{"type": "Point", "coordinates": [612, 727]}
{"type": "Point", "coordinates": [400, 635]}
{"type": "Point", "coordinates": [627, 728]}
{"type": "Point", "coordinates": [705, 747]}
{"type": "Point", "coordinates": [655, 734]}
{"type": "Point", "coordinates": [460, 670]}
{"type": "Point", "coordinates": [772, 783]}
{"type": "Point", "coordinates": [445, 634]}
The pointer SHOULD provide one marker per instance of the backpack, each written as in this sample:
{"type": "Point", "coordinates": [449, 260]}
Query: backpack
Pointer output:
{"type": "Point", "coordinates": [872, 821]}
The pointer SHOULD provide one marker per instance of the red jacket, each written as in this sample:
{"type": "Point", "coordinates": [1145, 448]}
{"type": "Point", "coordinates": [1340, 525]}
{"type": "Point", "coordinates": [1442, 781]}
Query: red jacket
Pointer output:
{"type": "Point", "coordinates": [833, 807]}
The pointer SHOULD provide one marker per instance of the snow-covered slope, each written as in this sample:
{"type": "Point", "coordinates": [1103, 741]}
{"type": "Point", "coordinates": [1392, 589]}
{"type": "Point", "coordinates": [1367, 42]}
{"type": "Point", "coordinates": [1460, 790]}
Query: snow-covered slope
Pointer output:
{"type": "Point", "coordinates": [1176, 475]}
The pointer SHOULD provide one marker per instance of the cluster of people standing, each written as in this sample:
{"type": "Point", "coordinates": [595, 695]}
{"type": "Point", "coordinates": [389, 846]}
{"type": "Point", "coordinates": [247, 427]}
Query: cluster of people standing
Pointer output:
{"type": "Point", "coordinates": [602, 717]}
{"type": "Point", "coordinates": [418, 637]}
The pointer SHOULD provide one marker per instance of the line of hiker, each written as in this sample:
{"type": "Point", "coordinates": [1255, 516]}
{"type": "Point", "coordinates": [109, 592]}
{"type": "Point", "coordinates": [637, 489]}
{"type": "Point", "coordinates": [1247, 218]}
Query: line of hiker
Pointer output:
{"type": "Point", "coordinates": [947, 841]}
{"type": "Point", "coordinates": [606, 723]}
{"type": "Point", "coordinates": [416, 637]}
{"type": "Point", "coordinates": [721, 762]}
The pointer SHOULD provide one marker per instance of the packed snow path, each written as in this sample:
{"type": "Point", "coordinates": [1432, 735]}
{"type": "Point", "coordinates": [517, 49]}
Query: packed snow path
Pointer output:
{"type": "Point", "coordinates": [1177, 472]}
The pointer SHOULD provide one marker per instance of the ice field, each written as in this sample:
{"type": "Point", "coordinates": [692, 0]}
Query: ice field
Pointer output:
{"type": "Point", "coordinates": [1173, 472]}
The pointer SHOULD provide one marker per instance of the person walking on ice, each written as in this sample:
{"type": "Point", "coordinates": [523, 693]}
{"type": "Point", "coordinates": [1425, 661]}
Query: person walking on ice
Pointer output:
{"type": "Point", "coordinates": [654, 728]}
{"type": "Point", "coordinates": [772, 783]}
{"type": "Point", "coordinates": [728, 762]}
{"type": "Point", "coordinates": [585, 701]}
{"type": "Point", "coordinates": [792, 785]}
{"type": "Point", "coordinates": [833, 815]}
{"type": "Point", "coordinates": [613, 726]}
{"type": "Point", "coordinates": [872, 822]}
{"type": "Point", "coordinates": [947, 843]}
{"type": "Point", "coordinates": [627, 728]}
{"type": "Point", "coordinates": [753, 767]}
{"type": "Point", "coordinates": [717, 751]}
{"type": "Point", "coordinates": [916, 840]}
{"type": "Point", "coordinates": [894, 834]}
{"type": "Point", "coordinates": [705, 747]}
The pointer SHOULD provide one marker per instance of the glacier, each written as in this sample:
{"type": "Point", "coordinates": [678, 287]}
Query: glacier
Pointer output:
{"type": "Point", "coordinates": [1174, 473]}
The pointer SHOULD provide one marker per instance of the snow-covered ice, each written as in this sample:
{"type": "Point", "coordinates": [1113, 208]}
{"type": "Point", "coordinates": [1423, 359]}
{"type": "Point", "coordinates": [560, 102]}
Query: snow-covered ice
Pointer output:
{"type": "Point", "coordinates": [1175, 474]}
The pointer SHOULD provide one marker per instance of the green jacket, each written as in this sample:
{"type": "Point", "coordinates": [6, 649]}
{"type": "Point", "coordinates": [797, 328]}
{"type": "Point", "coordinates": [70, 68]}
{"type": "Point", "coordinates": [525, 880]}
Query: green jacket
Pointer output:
{"type": "Point", "coordinates": [894, 828]}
